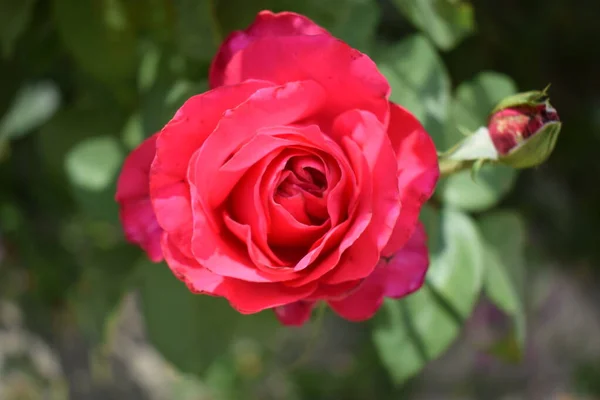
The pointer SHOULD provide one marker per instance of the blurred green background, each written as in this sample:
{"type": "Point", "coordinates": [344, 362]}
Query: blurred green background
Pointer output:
{"type": "Point", "coordinates": [511, 308]}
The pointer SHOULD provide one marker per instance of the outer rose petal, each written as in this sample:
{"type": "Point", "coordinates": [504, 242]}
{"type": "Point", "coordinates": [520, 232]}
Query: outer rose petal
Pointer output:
{"type": "Point", "coordinates": [251, 297]}
{"type": "Point", "coordinates": [197, 278]}
{"type": "Point", "coordinates": [176, 143]}
{"type": "Point", "coordinates": [135, 209]}
{"type": "Point", "coordinates": [265, 24]}
{"type": "Point", "coordinates": [405, 272]}
{"type": "Point", "coordinates": [350, 79]}
{"type": "Point", "coordinates": [402, 275]}
{"type": "Point", "coordinates": [294, 314]}
{"type": "Point", "coordinates": [418, 172]}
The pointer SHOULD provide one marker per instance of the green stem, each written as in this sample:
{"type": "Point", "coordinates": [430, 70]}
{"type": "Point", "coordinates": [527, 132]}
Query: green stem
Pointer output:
{"type": "Point", "coordinates": [449, 167]}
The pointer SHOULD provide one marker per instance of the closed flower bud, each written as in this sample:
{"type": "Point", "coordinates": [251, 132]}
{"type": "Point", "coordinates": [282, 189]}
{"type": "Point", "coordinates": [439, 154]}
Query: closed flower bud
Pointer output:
{"type": "Point", "coordinates": [524, 129]}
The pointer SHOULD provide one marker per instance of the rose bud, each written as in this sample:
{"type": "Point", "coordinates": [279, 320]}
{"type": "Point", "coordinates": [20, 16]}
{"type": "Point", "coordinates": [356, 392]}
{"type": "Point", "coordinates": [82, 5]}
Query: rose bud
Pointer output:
{"type": "Point", "coordinates": [524, 129]}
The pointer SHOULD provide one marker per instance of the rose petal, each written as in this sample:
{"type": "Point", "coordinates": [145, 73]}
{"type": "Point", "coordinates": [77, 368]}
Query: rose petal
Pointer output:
{"type": "Point", "coordinates": [334, 292]}
{"type": "Point", "coordinates": [418, 172]}
{"type": "Point", "coordinates": [251, 297]}
{"type": "Point", "coordinates": [176, 143]}
{"type": "Point", "coordinates": [197, 278]}
{"type": "Point", "coordinates": [350, 78]}
{"type": "Point", "coordinates": [366, 131]}
{"type": "Point", "coordinates": [265, 24]}
{"type": "Point", "coordinates": [281, 105]}
{"type": "Point", "coordinates": [141, 228]}
{"type": "Point", "coordinates": [340, 238]}
{"type": "Point", "coordinates": [402, 275]}
{"type": "Point", "coordinates": [406, 271]}
{"type": "Point", "coordinates": [133, 181]}
{"type": "Point", "coordinates": [135, 208]}
{"type": "Point", "coordinates": [210, 186]}
{"type": "Point", "coordinates": [294, 314]}
{"type": "Point", "coordinates": [364, 302]}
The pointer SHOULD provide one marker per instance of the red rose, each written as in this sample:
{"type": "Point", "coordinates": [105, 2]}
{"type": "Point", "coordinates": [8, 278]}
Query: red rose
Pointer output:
{"type": "Point", "coordinates": [289, 181]}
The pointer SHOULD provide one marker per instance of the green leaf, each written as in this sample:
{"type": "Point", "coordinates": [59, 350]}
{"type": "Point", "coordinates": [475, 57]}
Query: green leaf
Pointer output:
{"type": "Point", "coordinates": [167, 92]}
{"type": "Point", "coordinates": [456, 258]}
{"type": "Point", "coordinates": [490, 186]}
{"type": "Point", "coordinates": [14, 19]}
{"type": "Point", "coordinates": [70, 126]}
{"type": "Point", "coordinates": [34, 104]}
{"type": "Point", "coordinates": [99, 36]}
{"type": "Point", "coordinates": [410, 332]}
{"type": "Point", "coordinates": [504, 236]}
{"type": "Point", "coordinates": [57, 141]}
{"type": "Point", "coordinates": [355, 23]}
{"type": "Point", "coordinates": [197, 31]}
{"type": "Point", "coordinates": [93, 163]}
{"type": "Point", "coordinates": [446, 22]}
{"type": "Point", "coordinates": [471, 106]}
{"type": "Point", "coordinates": [103, 282]}
{"type": "Point", "coordinates": [190, 330]}
{"type": "Point", "coordinates": [419, 82]}
{"type": "Point", "coordinates": [133, 132]}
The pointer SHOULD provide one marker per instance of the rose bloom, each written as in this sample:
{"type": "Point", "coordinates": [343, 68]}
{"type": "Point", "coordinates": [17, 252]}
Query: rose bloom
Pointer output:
{"type": "Point", "coordinates": [293, 180]}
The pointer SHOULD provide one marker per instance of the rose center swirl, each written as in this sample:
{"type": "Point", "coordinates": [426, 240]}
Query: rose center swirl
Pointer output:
{"type": "Point", "coordinates": [301, 189]}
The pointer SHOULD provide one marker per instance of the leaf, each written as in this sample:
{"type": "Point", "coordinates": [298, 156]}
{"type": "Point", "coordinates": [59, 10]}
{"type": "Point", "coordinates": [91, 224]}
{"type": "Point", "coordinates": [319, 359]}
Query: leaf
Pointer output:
{"type": "Point", "coordinates": [197, 31]}
{"type": "Point", "coordinates": [34, 104]}
{"type": "Point", "coordinates": [103, 281]}
{"type": "Point", "coordinates": [419, 82]}
{"type": "Point", "coordinates": [133, 132]}
{"type": "Point", "coordinates": [456, 258]}
{"type": "Point", "coordinates": [99, 36]}
{"type": "Point", "coordinates": [14, 19]}
{"type": "Point", "coordinates": [190, 330]}
{"type": "Point", "coordinates": [446, 22]}
{"type": "Point", "coordinates": [355, 23]}
{"type": "Point", "coordinates": [470, 108]}
{"type": "Point", "coordinates": [408, 333]}
{"type": "Point", "coordinates": [492, 183]}
{"type": "Point", "coordinates": [504, 236]}
{"type": "Point", "coordinates": [93, 163]}
{"type": "Point", "coordinates": [56, 142]}
{"type": "Point", "coordinates": [167, 93]}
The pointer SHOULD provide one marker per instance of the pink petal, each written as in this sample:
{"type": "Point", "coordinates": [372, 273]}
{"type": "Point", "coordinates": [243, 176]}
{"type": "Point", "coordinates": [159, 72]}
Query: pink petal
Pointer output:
{"type": "Point", "coordinates": [399, 277]}
{"type": "Point", "coordinates": [418, 172]}
{"type": "Point", "coordinates": [369, 134]}
{"type": "Point", "coordinates": [350, 78]}
{"type": "Point", "coordinates": [176, 143]}
{"type": "Point", "coordinates": [265, 24]}
{"type": "Point", "coordinates": [294, 314]}
{"type": "Point", "coordinates": [251, 297]}
{"type": "Point", "coordinates": [197, 278]}
{"type": "Point", "coordinates": [406, 271]}
{"type": "Point", "coordinates": [211, 184]}
{"type": "Point", "coordinates": [364, 302]}
{"type": "Point", "coordinates": [133, 182]}
{"type": "Point", "coordinates": [135, 208]}
{"type": "Point", "coordinates": [141, 228]}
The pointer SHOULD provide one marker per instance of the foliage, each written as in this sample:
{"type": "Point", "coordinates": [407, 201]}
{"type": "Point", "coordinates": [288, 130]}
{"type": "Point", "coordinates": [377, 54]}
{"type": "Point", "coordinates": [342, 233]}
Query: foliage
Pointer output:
{"type": "Point", "coordinates": [86, 81]}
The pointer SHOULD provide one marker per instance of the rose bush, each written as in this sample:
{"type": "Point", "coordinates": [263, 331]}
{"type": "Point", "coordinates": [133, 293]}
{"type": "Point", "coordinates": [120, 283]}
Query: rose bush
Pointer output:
{"type": "Point", "coordinates": [293, 180]}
